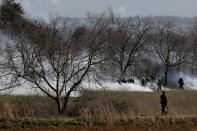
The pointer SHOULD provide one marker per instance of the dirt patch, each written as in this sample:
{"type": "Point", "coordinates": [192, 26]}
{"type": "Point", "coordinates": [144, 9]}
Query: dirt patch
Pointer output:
{"type": "Point", "coordinates": [115, 128]}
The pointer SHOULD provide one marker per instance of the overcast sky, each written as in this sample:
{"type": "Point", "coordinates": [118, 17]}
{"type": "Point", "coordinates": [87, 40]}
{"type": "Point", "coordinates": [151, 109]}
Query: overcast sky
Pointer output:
{"type": "Point", "coordinates": [78, 8]}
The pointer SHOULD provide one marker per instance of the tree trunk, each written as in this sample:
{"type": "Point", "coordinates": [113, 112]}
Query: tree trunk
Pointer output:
{"type": "Point", "coordinates": [59, 105]}
{"type": "Point", "coordinates": [166, 75]}
{"type": "Point", "coordinates": [67, 95]}
{"type": "Point", "coordinates": [122, 75]}
{"type": "Point", "coordinates": [64, 108]}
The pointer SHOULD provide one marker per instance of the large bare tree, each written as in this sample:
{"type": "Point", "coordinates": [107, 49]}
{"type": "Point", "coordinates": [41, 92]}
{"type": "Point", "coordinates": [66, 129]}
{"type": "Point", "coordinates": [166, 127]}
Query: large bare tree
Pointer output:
{"type": "Point", "coordinates": [57, 62]}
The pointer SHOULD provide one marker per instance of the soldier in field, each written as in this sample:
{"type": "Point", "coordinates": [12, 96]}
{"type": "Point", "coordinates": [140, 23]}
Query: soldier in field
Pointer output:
{"type": "Point", "coordinates": [159, 84]}
{"type": "Point", "coordinates": [143, 82]}
{"type": "Point", "coordinates": [164, 103]}
{"type": "Point", "coordinates": [181, 83]}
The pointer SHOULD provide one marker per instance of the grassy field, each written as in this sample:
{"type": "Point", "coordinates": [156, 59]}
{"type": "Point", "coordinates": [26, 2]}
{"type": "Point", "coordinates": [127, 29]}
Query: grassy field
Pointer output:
{"type": "Point", "coordinates": [100, 108]}
{"type": "Point", "coordinates": [144, 104]}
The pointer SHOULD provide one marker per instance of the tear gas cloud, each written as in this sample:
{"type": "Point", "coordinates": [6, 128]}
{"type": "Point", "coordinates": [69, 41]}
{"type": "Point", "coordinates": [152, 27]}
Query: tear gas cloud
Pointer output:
{"type": "Point", "coordinates": [190, 81]}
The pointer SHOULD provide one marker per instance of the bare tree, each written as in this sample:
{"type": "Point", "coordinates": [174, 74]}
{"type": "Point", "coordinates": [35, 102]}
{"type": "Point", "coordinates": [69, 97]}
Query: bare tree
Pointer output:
{"type": "Point", "coordinates": [127, 39]}
{"type": "Point", "coordinates": [169, 45]}
{"type": "Point", "coordinates": [193, 33]}
{"type": "Point", "coordinates": [57, 63]}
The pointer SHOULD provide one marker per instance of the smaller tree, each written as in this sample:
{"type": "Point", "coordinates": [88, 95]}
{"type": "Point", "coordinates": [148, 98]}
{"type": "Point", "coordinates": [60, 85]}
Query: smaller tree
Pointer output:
{"type": "Point", "coordinates": [193, 33]}
{"type": "Point", "coordinates": [127, 39]}
{"type": "Point", "coordinates": [170, 46]}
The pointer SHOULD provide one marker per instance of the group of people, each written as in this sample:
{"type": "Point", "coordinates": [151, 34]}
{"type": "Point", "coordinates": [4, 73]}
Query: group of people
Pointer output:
{"type": "Point", "coordinates": [159, 82]}
{"type": "Point", "coordinates": [180, 82]}
{"type": "Point", "coordinates": [131, 80]}
{"type": "Point", "coordinates": [144, 81]}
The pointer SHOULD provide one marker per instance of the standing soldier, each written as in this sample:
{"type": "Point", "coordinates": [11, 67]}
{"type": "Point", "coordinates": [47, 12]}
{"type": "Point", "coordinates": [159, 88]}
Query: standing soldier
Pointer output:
{"type": "Point", "coordinates": [164, 103]}
{"type": "Point", "coordinates": [181, 83]}
{"type": "Point", "coordinates": [159, 84]}
{"type": "Point", "coordinates": [143, 82]}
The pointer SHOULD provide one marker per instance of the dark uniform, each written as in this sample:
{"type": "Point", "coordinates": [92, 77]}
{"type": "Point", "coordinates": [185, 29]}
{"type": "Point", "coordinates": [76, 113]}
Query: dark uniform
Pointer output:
{"type": "Point", "coordinates": [124, 81]}
{"type": "Point", "coordinates": [164, 103]}
{"type": "Point", "coordinates": [159, 84]}
{"type": "Point", "coordinates": [181, 83]}
{"type": "Point", "coordinates": [131, 80]}
{"type": "Point", "coordinates": [143, 82]}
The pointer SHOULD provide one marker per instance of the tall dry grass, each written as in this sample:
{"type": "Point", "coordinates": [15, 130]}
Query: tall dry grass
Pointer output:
{"type": "Point", "coordinates": [103, 108]}
{"type": "Point", "coordinates": [26, 107]}
{"type": "Point", "coordinates": [147, 104]}
{"type": "Point", "coordinates": [101, 114]}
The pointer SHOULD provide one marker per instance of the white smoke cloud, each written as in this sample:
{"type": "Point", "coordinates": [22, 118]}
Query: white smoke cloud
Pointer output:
{"type": "Point", "coordinates": [115, 86]}
{"type": "Point", "coordinates": [190, 81]}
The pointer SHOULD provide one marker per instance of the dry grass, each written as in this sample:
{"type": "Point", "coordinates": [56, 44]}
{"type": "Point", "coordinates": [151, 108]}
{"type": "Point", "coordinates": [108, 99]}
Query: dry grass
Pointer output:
{"type": "Point", "coordinates": [26, 106]}
{"type": "Point", "coordinates": [141, 103]}
{"type": "Point", "coordinates": [100, 108]}
{"type": "Point", "coordinates": [135, 108]}
{"type": "Point", "coordinates": [102, 115]}
{"type": "Point", "coordinates": [129, 103]}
